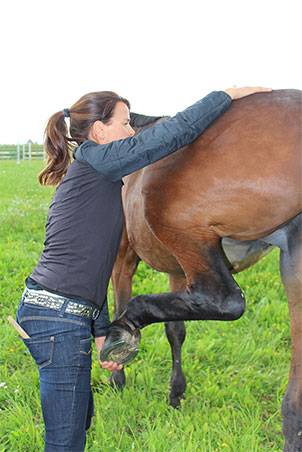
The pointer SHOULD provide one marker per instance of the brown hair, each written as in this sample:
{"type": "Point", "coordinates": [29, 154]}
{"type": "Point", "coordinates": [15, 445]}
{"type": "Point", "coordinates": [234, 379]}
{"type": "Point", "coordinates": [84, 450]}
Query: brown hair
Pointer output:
{"type": "Point", "coordinates": [92, 107]}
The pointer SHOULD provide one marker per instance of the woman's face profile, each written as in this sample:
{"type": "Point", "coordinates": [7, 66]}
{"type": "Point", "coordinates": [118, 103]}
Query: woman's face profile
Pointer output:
{"type": "Point", "coordinates": [117, 129]}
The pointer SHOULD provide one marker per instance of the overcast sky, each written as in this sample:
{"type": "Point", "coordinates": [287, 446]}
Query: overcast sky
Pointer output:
{"type": "Point", "coordinates": [162, 55]}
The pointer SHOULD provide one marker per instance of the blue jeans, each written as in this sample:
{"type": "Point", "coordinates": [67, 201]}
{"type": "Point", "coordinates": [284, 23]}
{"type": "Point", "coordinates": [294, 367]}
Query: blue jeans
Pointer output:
{"type": "Point", "coordinates": [60, 344]}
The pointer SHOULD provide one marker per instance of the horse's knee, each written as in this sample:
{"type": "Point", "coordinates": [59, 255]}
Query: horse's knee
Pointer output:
{"type": "Point", "coordinates": [228, 305]}
{"type": "Point", "coordinates": [234, 306]}
{"type": "Point", "coordinates": [176, 333]}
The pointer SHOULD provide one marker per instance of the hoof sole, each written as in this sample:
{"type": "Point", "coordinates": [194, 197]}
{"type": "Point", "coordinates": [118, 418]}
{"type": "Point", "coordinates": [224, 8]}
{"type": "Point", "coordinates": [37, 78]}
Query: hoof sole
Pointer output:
{"type": "Point", "coordinates": [119, 351]}
{"type": "Point", "coordinates": [121, 344]}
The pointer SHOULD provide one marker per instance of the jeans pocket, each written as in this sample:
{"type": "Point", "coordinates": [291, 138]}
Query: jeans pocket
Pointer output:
{"type": "Point", "coordinates": [41, 350]}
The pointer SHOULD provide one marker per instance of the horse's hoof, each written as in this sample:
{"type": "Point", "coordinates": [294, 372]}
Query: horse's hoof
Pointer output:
{"type": "Point", "coordinates": [175, 401]}
{"type": "Point", "coordinates": [121, 344]}
{"type": "Point", "coordinates": [117, 379]}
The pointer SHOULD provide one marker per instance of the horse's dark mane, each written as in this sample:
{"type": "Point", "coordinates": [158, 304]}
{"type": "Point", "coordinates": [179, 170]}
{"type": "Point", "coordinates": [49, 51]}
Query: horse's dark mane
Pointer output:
{"type": "Point", "coordinates": [142, 122]}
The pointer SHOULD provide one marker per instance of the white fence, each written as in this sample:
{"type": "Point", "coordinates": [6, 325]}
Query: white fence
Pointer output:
{"type": "Point", "coordinates": [19, 152]}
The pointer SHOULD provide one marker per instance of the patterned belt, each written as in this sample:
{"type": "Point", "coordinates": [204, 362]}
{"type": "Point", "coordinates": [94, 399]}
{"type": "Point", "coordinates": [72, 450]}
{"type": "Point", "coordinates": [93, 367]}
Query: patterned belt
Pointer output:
{"type": "Point", "coordinates": [56, 302]}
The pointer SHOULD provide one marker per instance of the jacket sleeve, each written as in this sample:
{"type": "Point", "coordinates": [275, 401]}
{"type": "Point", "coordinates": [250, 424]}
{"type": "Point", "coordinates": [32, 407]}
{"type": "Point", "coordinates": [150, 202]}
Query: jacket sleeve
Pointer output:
{"type": "Point", "coordinates": [100, 326]}
{"type": "Point", "coordinates": [119, 158]}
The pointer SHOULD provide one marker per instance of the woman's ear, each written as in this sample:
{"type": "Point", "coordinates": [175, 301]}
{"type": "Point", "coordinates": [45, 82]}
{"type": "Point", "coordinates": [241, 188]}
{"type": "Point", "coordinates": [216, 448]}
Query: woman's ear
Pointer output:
{"type": "Point", "coordinates": [97, 132]}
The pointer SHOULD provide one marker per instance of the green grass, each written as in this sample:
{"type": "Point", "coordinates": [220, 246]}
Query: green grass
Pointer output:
{"type": "Point", "coordinates": [236, 371]}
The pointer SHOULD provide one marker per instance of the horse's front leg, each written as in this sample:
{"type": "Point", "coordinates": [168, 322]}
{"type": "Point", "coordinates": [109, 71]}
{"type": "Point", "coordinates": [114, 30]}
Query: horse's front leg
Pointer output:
{"type": "Point", "coordinates": [211, 294]}
{"type": "Point", "coordinates": [176, 333]}
{"type": "Point", "coordinates": [291, 271]}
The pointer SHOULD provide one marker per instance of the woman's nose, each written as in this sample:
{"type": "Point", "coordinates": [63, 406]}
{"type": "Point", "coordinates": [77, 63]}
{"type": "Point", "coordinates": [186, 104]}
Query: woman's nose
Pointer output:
{"type": "Point", "coordinates": [131, 132]}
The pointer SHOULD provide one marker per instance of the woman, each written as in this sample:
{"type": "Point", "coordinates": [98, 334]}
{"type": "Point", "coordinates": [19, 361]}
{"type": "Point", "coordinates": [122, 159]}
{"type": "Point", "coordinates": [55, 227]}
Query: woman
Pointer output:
{"type": "Point", "coordinates": [65, 297]}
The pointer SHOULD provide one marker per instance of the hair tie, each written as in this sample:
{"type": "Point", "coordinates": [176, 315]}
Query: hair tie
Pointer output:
{"type": "Point", "coordinates": [66, 113]}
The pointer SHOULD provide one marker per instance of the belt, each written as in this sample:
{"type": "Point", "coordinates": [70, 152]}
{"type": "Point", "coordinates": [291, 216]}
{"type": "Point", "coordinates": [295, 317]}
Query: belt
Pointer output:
{"type": "Point", "coordinates": [56, 302]}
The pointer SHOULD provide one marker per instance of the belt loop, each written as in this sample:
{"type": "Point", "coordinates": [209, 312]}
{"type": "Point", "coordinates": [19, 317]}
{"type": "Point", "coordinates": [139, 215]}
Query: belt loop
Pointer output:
{"type": "Point", "coordinates": [63, 308]}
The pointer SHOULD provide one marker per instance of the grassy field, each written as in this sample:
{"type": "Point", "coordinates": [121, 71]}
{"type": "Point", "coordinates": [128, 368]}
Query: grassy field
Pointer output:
{"type": "Point", "coordinates": [236, 372]}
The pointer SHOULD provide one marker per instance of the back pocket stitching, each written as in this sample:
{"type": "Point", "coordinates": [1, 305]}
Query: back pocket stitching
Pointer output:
{"type": "Point", "coordinates": [52, 339]}
{"type": "Point", "coordinates": [52, 343]}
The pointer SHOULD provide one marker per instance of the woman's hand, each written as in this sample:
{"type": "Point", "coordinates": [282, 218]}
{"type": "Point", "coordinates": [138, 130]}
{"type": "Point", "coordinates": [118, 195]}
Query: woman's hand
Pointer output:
{"type": "Point", "coordinates": [238, 93]}
{"type": "Point", "coordinates": [110, 365]}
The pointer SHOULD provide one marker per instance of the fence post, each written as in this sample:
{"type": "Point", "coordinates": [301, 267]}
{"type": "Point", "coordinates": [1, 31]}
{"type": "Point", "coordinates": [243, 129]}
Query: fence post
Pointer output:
{"type": "Point", "coordinates": [18, 153]}
{"type": "Point", "coordinates": [23, 152]}
{"type": "Point", "coordinates": [29, 150]}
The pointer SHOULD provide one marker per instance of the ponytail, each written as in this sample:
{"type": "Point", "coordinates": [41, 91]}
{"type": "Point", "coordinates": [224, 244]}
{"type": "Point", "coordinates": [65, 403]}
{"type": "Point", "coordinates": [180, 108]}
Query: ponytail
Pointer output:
{"type": "Point", "coordinates": [58, 148]}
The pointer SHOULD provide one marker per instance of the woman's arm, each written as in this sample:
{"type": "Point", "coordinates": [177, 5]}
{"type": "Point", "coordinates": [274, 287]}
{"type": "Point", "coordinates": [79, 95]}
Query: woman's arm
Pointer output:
{"type": "Point", "coordinates": [99, 330]}
{"type": "Point", "coordinates": [119, 158]}
{"type": "Point", "coordinates": [100, 326]}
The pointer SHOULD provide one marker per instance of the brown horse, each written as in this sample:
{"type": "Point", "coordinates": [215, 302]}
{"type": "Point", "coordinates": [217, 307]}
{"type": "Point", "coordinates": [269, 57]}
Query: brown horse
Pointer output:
{"type": "Point", "coordinates": [210, 209]}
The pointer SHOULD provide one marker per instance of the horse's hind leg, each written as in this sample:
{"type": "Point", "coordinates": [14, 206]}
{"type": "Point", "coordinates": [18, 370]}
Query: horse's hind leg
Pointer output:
{"type": "Point", "coordinates": [176, 333]}
{"type": "Point", "coordinates": [291, 273]}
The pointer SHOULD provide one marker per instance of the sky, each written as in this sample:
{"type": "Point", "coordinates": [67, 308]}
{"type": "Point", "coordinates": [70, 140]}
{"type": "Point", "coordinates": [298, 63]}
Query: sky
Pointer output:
{"type": "Point", "coordinates": [162, 55]}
